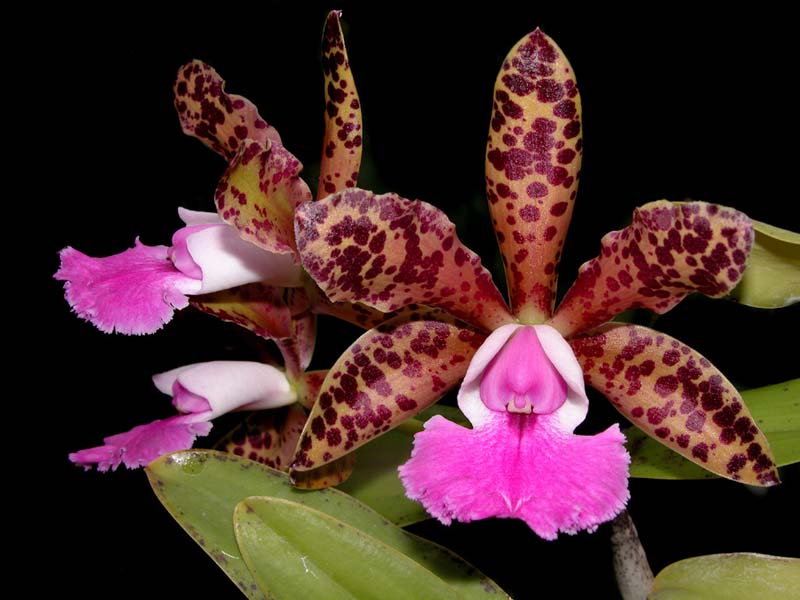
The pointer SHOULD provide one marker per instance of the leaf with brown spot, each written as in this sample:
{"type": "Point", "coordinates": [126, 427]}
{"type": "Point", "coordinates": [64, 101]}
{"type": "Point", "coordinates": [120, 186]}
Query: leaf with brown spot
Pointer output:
{"type": "Point", "coordinates": [533, 160]}
{"type": "Point", "coordinates": [267, 436]}
{"type": "Point", "coordinates": [220, 120]}
{"type": "Point", "coordinates": [341, 148]}
{"type": "Point", "coordinates": [259, 193]}
{"type": "Point", "coordinates": [387, 376]}
{"type": "Point", "coordinates": [679, 398]}
{"type": "Point", "coordinates": [669, 251]}
{"type": "Point", "coordinates": [325, 476]}
{"type": "Point", "coordinates": [388, 252]}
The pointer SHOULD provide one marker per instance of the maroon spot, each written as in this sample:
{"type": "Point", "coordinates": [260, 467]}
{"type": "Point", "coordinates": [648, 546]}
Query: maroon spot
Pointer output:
{"type": "Point", "coordinates": [405, 403]}
{"type": "Point", "coordinates": [537, 190]}
{"type": "Point", "coordinates": [695, 421]}
{"type": "Point", "coordinates": [700, 451]}
{"type": "Point", "coordinates": [334, 437]}
{"type": "Point", "coordinates": [666, 384]}
{"type": "Point", "coordinates": [549, 90]}
{"type": "Point", "coordinates": [503, 190]}
{"type": "Point", "coordinates": [727, 435]}
{"type": "Point", "coordinates": [558, 209]}
{"type": "Point", "coordinates": [671, 357]}
{"type": "Point", "coordinates": [529, 213]}
{"type": "Point", "coordinates": [550, 233]}
{"type": "Point", "coordinates": [753, 451]}
{"type": "Point", "coordinates": [572, 129]}
{"type": "Point", "coordinates": [518, 84]}
{"type": "Point", "coordinates": [637, 412]}
{"type": "Point", "coordinates": [564, 109]}
{"type": "Point", "coordinates": [683, 440]}
{"type": "Point", "coordinates": [318, 427]}
{"type": "Point", "coordinates": [736, 463]}
{"type": "Point", "coordinates": [566, 156]}
{"type": "Point", "coordinates": [662, 432]}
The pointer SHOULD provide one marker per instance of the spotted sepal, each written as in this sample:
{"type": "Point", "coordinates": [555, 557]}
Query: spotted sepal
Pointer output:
{"type": "Point", "coordinates": [327, 475]}
{"type": "Point", "coordinates": [387, 376]}
{"type": "Point", "coordinates": [675, 395]}
{"type": "Point", "coordinates": [341, 148]}
{"type": "Point", "coordinates": [388, 252]}
{"type": "Point", "coordinates": [274, 313]}
{"type": "Point", "coordinates": [267, 436]}
{"type": "Point", "coordinates": [259, 193]}
{"type": "Point", "coordinates": [669, 251]}
{"type": "Point", "coordinates": [220, 120]}
{"type": "Point", "coordinates": [533, 161]}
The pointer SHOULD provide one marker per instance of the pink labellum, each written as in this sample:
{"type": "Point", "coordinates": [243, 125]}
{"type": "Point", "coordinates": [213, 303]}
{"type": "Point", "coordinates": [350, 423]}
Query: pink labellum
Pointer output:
{"type": "Point", "coordinates": [341, 148]}
{"type": "Point", "coordinates": [259, 193]}
{"type": "Point", "coordinates": [521, 459]}
{"type": "Point", "coordinates": [388, 252]}
{"type": "Point", "coordinates": [519, 466]}
{"type": "Point", "coordinates": [675, 395]}
{"type": "Point", "coordinates": [134, 292]}
{"type": "Point", "coordinates": [669, 251]}
{"type": "Point", "coordinates": [202, 391]}
{"type": "Point", "coordinates": [220, 120]}
{"type": "Point", "coordinates": [145, 443]}
{"type": "Point", "coordinates": [386, 377]}
{"type": "Point", "coordinates": [533, 161]}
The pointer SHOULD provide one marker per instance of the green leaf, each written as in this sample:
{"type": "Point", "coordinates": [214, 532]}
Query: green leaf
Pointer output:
{"type": "Point", "coordinates": [375, 481]}
{"type": "Point", "coordinates": [201, 488]}
{"type": "Point", "coordinates": [297, 552]}
{"type": "Point", "coordinates": [776, 410]}
{"type": "Point", "coordinates": [772, 278]}
{"type": "Point", "coordinates": [729, 577]}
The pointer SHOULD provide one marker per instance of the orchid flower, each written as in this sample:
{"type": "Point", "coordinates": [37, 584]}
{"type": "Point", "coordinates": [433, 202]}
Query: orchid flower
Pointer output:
{"type": "Point", "coordinates": [137, 291]}
{"type": "Point", "coordinates": [524, 367]}
{"type": "Point", "coordinates": [200, 392]}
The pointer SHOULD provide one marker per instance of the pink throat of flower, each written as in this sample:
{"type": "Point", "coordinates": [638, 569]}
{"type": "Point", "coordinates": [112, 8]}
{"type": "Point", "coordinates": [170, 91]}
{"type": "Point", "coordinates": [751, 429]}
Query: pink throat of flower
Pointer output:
{"type": "Point", "coordinates": [521, 379]}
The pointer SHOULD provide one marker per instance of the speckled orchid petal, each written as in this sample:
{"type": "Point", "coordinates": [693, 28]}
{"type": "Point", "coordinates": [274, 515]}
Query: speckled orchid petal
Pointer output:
{"type": "Point", "coordinates": [388, 252]}
{"type": "Point", "coordinates": [279, 314]}
{"type": "Point", "coordinates": [258, 195]}
{"type": "Point", "coordinates": [533, 161]}
{"type": "Point", "coordinates": [669, 251]}
{"type": "Point", "coordinates": [220, 120]}
{"type": "Point", "coordinates": [267, 436]}
{"type": "Point", "coordinates": [258, 307]}
{"type": "Point", "coordinates": [341, 148]}
{"type": "Point", "coordinates": [679, 398]}
{"type": "Point", "coordinates": [134, 292]}
{"type": "Point", "coordinates": [387, 376]}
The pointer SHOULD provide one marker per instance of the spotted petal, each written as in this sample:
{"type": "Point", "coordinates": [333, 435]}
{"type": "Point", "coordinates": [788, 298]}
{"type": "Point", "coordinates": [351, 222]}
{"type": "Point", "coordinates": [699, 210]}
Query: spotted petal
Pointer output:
{"type": "Point", "coordinates": [533, 160]}
{"type": "Point", "coordinates": [387, 376]}
{"type": "Point", "coordinates": [220, 120]}
{"type": "Point", "coordinates": [267, 436]}
{"type": "Point", "coordinates": [341, 148]}
{"type": "Point", "coordinates": [274, 313]}
{"type": "Point", "coordinates": [259, 192]}
{"type": "Point", "coordinates": [675, 395]}
{"type": "Point", "coordinates": [389, 252]}
{"type": "Point", "coordinates": [669, 251]}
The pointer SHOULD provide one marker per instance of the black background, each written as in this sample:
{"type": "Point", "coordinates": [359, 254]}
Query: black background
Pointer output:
{"type": "Point", "coordinates": [676, 105]}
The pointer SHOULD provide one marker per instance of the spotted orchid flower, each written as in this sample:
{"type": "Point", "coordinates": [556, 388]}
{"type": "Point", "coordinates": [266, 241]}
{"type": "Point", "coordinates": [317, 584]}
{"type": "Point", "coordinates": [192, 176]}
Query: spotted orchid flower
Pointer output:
{"type": "Point", "coordinates": [524, 367]}
{"type": "Point", "coordinates": [200, 392]}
